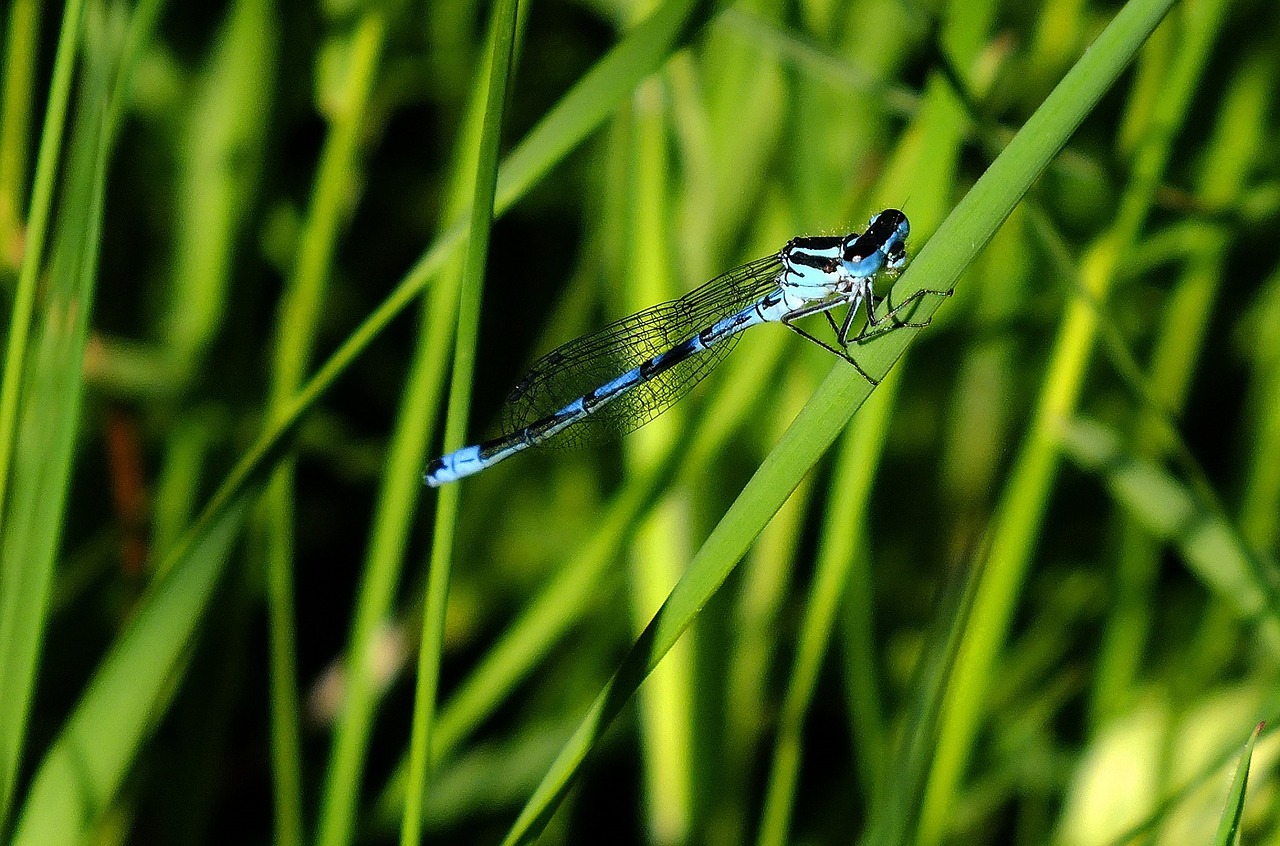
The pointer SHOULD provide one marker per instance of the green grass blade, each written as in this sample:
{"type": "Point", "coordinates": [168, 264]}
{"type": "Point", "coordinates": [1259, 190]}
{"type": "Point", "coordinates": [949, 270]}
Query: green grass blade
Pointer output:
{"type": "Point", "coordinates": [666, 707]}
{"type": "Point", "coordinates": [85, 766]}
{"type": "Point", "coordinates": [1207, 773]}
{"type": "Point", "coordinates": [1160, 427]}
{"type": "Point", "coordinates": [50, 418]}
{"type": "Point", "coordinates": [1260, 509]}
{"type": "Point", "coordinates": [906, 771]}
{"type": "Point", "coordinates": [969, 227]}
{"type": "Point", "coordinates": [821, 63]}
{"type": "Point", "coordinates": [502, 46]}
{"type": "Point", "coordinates": [178, 482]}
{"type": "Point", "coordinates": [397, 501]}
{"type": "Point", "coordinates": [928, 158]}
{"type": "Point", "coordinates": [398, 498]}
{"type": "Point", "coordinates": [598, 94]}
{"type": "Point", "coordinates": [222, 148]}
{"type": "Point", "coordinates": [33, 262]}
{"type": "Point", "coordinates": [21, 38]}
{"type": "Point", "coordinates": [1024, 501]}
{"type": "Point", "coordinates": [854, 472]}
{"type": "Point", "coordinates": [1229, 828]}
{"type": "Point", "coordinates": [1179, 346]}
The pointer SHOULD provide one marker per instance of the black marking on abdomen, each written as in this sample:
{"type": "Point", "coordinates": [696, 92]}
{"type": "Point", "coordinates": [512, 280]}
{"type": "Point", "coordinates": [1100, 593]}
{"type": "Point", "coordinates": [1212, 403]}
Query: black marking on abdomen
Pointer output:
{"type": "Point", "coordinates": [541, 428]}
{"type": "Point", "coordinates": [670, 358]}
{"type": "Point", "coordinates": [599, 396]}
{"type": "Point", "coordinates": [488, 449]}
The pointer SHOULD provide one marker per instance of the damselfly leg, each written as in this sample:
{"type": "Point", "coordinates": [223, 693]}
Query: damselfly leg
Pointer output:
{"type": "Point", "coordinates": [842, 349]}
{"type": "Point", "coordinates": [874, 325]}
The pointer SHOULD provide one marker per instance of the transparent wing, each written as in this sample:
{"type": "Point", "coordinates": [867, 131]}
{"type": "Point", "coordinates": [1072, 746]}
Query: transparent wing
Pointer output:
{"type": "Point", "coordinates": [584, 364]}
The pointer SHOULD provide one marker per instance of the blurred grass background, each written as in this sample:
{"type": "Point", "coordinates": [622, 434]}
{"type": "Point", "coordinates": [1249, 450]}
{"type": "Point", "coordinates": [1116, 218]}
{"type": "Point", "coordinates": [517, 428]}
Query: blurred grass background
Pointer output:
{"type": "Point", "coordinates": [1028, 595]}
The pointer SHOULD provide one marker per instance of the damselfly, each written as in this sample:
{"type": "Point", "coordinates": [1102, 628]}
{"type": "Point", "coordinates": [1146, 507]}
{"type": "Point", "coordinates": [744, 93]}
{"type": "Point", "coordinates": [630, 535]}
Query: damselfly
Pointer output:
{"type": "Point", "coordinates": [617, 379]}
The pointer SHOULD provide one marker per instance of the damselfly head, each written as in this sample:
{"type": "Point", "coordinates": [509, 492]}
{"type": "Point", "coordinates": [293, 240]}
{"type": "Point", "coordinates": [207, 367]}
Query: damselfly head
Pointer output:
{"type": "Point", "coordinates": [882, 245]}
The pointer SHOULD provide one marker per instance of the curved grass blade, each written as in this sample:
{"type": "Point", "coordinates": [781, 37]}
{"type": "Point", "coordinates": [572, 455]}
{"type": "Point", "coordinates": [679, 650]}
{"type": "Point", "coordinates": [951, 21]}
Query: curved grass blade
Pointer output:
{"type": "Point", "coordinates": [1024, 501]}
{"type": "Point", "coordinates": [939, 265]}
{"type": "Point", "coordinates": [84, 768]}
{"type": "Point", "coordinates": [50, 417]}
{"type": "Point", "coordinates": [431, 651]}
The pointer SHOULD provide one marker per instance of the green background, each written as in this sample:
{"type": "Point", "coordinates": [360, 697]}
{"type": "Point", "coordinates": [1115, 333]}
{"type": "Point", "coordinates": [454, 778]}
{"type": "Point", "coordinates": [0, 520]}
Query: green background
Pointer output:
{"type": "Point", "coordinates": [1027, 593]}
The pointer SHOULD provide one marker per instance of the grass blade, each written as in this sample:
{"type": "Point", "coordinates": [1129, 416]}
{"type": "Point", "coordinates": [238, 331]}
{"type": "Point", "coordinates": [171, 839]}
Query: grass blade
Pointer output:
{"type": "Point", "coordinates": [969, 227]}
{"type": "Point", "coordinates": [1229, 829]}
{"type": "Point", "coordinates": [572, 593]}
{"type": "Point", "coordinates": [15, 122]}
{"type": "Point", "coordinates": [33, 259]}
{"type": "Point", "coordinates": [87, 763]}
{"type": "Point", "coordinates": [1025, 498]}
{"type": "Point", "coordinates": [930, 155]}
{"type": "Point", "coordinates": [482, 209]}
{"type": "Point", "coordinates": [46, 436]}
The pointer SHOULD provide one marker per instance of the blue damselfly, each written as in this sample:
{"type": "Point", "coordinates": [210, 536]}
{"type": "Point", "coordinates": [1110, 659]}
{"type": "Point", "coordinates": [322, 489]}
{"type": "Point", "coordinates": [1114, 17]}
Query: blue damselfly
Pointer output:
{"type": "Point", "coordinates": [617, 379]}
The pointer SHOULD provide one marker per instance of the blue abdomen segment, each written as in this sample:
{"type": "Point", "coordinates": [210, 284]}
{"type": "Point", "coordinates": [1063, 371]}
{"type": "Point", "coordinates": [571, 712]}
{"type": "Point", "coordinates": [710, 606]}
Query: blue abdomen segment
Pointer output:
{"type": "Point", "coordinates": [454, 466]}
